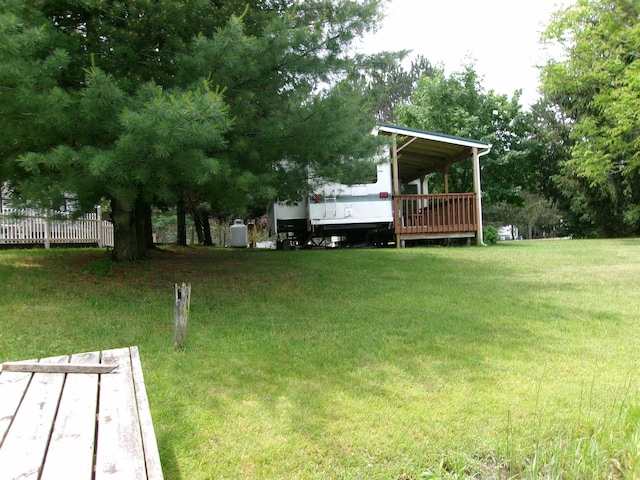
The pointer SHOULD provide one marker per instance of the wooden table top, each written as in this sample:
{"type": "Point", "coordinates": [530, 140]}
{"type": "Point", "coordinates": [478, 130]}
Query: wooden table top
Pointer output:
{"type": "Point", "coordinates": [69, 417]}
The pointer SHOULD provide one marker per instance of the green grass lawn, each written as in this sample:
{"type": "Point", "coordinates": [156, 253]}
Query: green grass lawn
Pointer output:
{"type": "Point", "coordinates": [514, 361]}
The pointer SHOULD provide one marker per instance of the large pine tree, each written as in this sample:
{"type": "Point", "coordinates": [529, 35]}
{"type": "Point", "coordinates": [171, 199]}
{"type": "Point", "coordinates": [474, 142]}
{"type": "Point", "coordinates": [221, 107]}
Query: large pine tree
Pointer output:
{"type": "Point", "coordinates": [149, 101]}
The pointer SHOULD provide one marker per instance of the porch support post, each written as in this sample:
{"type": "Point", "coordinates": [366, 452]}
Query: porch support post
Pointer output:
{"type": "Point", "coordinates": [396, 187]}
{"type": "Point", "coordinates": [446, 179]}
{"type": "Point", "coordinates": [478, 191]}
{"type": "Point", "coordinates": [394, 159]}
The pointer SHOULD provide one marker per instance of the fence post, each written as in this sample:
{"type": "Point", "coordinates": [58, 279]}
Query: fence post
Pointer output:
{"type": "Point", "coordinates": [47, 229]}
{"type": "Point", "coordinates": [181, 314]}
{"type": "Point", "coordinates": [98, 224]}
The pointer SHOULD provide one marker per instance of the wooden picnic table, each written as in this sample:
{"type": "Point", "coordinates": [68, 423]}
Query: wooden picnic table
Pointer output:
{"type": "Point", "coordinates": [84, 416]}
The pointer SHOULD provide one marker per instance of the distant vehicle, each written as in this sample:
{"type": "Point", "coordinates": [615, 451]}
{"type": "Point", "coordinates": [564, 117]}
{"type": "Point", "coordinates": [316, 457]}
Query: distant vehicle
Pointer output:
{"type": "Point", "coordinates": [508, 232]}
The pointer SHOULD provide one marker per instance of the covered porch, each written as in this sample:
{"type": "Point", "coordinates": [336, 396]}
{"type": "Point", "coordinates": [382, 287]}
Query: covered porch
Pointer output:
{"type": "Point", "coordinates": [419, 215]}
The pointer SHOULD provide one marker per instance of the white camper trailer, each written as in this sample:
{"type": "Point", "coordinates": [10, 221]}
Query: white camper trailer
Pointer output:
{"type": "Point", "coordinates": [335, 212]}
{"type": "Point", "coordinates": [395, 206]}
{"type": "Point", "coordinates": [355, 213]}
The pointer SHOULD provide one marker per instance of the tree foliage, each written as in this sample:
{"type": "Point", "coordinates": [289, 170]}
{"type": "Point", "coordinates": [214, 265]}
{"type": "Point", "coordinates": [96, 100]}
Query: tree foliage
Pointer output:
{"type": "Point", "coordinates": [594, 91]}
{"type": "Point", "coordinates": [394, 86]}
{"type": "Point", "coordinates": [459, 105]}
{"type": "Point", "coordinates": [535, 217]}
{"type": "Point", "coordinates": [597, 83]}
{"type": "Point", "coordinates": [150, 102]}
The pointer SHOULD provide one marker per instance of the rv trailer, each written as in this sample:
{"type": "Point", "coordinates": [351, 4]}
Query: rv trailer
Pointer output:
{"type": "Point", "coordinates": [395, 206]}
{"type": "Point", "coordinates": [336, 212]}
{"type": "Point", "coordinates": [353, 213]}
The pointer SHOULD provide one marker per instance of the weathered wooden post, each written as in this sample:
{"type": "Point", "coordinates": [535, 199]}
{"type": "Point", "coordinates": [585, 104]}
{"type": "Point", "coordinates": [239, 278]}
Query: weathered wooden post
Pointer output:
{"type": "Point", "coordinates": [181, 314]}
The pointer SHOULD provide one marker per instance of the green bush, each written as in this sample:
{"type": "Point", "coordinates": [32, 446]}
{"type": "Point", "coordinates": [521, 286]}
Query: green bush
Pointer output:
{"type": "Point", "coordinates": [490, 235]}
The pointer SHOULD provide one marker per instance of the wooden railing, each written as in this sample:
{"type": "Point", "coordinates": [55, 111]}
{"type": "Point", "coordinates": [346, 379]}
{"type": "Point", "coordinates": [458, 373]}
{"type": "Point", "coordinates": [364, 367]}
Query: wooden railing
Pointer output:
{"type": "Point", "coordinates": [435, 214]}
{"type": "Point", "coordinates": [25, 226]}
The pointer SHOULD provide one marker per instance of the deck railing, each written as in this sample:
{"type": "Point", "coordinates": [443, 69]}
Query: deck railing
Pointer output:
{"type": "Point", "coordinates": [435, 214]}
{"type": "Point", "coordinates": [26, 226]}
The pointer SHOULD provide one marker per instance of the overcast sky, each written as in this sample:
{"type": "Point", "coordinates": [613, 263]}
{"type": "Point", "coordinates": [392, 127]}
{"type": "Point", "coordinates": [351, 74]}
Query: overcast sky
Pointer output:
{"type": "Point", "coordinates": [501, 36]}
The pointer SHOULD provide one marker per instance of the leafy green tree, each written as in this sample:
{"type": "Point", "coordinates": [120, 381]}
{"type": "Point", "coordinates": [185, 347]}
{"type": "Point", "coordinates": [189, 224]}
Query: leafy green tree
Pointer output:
{"type": "Point", "coordinates": [151, 102]}
{"type": "Point", "coordinates": [594, 87]}
{"type": "Point", "coordinates": [535, 217]}
{"type": "Point", "coordinates": [458, 105]}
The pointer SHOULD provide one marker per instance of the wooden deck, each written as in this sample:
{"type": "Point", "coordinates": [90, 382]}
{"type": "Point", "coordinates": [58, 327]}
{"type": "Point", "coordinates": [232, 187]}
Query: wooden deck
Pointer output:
{"type": "Point", "coordinates": [68, 418]}
{"type": "Point", "coordinates": [435, 216]}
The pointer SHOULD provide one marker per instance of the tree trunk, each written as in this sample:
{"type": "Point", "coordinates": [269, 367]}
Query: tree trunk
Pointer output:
{"type": "Point", "coordinates": [207, 229]}
{"type": "Point", "coordinates": [182, 222]}
{"type": "Point", "coordinates": [144, 226]}
{"type": "Point", "coordinates": [221, 231]}
{"type": "Point", "coordinates": [199, 224]}
{"type": "Point", "coordinates": [126, 247]}
{"type": "Point", "coordinates": [203, 227]}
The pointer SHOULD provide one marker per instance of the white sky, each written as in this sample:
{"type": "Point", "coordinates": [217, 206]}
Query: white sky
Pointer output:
{"type": "Point", "coordinates": [501, 36]}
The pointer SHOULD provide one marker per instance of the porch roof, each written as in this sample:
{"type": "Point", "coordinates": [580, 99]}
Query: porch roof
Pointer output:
{"type": "Point", "coordinates": [421, 152]}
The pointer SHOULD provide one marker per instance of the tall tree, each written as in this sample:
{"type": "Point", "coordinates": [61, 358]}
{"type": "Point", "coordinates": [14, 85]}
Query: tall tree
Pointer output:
{"type": "Point", "coordinates": [594, 86]}
{"type": "Point", "coordinates": [394, 86]}
{"type": "Point", "coordinates": [459, 105]}
{"type": "Point", "coordinates": [146, 102]}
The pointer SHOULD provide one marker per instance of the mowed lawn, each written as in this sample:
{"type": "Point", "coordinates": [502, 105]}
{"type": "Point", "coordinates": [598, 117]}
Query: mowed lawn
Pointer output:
{"type": "Point", "coordinates": [520, 360]}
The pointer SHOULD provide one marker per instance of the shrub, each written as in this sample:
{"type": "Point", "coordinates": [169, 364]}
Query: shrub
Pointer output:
{"type": "Point", "coordinates": [490, 235]}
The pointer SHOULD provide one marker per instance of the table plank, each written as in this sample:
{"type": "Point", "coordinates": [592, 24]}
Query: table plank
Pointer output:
{"type": "Point", "coordinates": [152, 456]}
{"type": "Point", "coordinates": [13, 387]}
{"type": "Point", "coordinates": [73, 437]}
{"type": "Point", "coordinates": [119, 450]}
{"type": "Point", "coordinates": [56, 367]}
{"type": "Point", "coordinates": [23, 450]}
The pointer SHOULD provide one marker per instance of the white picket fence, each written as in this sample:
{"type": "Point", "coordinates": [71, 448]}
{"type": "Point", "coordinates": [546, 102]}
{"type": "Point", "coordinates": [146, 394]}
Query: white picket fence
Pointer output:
{"type": "Point", "coordinates": [26, 226]}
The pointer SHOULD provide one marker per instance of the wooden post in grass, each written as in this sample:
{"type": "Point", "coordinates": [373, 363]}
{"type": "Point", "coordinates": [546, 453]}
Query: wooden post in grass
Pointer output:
{"type": "Point", "coordinates": [181, 314]}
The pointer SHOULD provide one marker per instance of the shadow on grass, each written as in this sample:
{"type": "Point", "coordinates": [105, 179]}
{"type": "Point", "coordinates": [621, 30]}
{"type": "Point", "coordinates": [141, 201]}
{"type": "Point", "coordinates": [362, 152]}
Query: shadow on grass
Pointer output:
{"type": "Point", "coordinates": [170, 468]}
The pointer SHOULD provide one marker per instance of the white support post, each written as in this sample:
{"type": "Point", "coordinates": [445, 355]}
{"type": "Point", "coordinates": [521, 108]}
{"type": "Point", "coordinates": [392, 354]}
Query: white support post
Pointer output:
{"type": "Point", "coordinates": [396, 185]}
{"type": "Point", "coordinates": [478, 190]}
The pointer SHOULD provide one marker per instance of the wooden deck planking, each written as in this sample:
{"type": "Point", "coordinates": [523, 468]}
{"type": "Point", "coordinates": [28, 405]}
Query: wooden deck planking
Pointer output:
{"type": "Point", "coordinates": [24, 448]}
{"type": "Point", "coordinates": [13, 386]}
{"type": "Point", "coordinates": [119, 449]}
{"type": "Point", "coordinates": [151, 453]}
{"type": "Point", "coordinates": [73, 436]}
